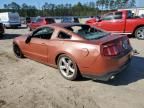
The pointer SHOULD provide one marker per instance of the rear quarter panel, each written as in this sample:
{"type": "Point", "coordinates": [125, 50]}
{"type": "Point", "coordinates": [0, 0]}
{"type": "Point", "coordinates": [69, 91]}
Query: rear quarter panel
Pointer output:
{"type": "Point", "coordinates": [83, 54]}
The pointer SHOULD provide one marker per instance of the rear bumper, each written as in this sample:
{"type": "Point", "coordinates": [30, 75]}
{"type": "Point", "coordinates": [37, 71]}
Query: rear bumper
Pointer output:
{"type": "Point", "coordinates": [12, 24]}
{"type": "Point", "coordinates": [109, 75]}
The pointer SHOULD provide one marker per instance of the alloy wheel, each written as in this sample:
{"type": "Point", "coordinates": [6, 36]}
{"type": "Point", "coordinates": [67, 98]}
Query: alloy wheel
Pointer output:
{"type": "Point", "coordinates": [140, 33]}
{"type": "Point", "coordinates": [67, 68]}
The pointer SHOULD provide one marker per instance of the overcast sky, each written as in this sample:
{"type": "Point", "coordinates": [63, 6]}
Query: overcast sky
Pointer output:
{"type": "Point", "coordinates": [38, 3]}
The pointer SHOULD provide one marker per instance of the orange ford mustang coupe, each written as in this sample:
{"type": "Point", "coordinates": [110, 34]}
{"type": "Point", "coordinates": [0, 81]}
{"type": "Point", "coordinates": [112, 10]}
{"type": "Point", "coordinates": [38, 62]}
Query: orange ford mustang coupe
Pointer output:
{"type": "Point", "coordinates": [76, 50]}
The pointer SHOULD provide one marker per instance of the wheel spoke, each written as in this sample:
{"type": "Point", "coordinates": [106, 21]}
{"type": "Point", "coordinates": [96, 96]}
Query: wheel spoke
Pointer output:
{"type": "Point", "coordinates": [64, 61]}
{"type": "Point", "coordinates": [69, 62]}
{"type": "Point", "coordinates": [71, 69]}
{"type": "Point", "coordinates": [62, 67]}
{"type": "Point", "coordinates": [67, 72]}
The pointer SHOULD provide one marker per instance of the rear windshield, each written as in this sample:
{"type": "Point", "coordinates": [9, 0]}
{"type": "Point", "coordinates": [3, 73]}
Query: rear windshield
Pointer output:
{"type": "Point", "coordinates": [87, 32]}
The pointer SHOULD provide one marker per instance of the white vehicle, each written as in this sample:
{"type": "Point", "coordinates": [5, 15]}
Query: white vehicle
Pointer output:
{"type": "Point", "coordinates": [10, 19]}
{"type": "Point", "coordinates": [136, 11]}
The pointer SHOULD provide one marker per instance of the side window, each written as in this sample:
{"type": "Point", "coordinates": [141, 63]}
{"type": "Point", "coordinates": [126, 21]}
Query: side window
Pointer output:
{"type": "Point", "coordinates": [130, 15]}
{"type": "Point", "coordinates": [50, 20]}
{"type": "Point", "coordinates": [43, 33]}
{"type": "Point", "coordinates": [108, 17]}
{"type": "Point", "coordinates": [63, 35]}
{"type": "Point", "coordinates": [39, 20]}
{"type": "Point", "coordinates": [118, 15]}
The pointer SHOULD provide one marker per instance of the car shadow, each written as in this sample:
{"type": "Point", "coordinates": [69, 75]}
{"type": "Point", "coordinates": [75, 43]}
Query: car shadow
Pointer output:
{"type": "Point", "coordinates": [9, 36]}
{"type": "Point", "coordinates": [81, 79]}
{"type": "Point", "coordinates": [134, 73]}
{"type": "Point", "coordinates": [131, 36]}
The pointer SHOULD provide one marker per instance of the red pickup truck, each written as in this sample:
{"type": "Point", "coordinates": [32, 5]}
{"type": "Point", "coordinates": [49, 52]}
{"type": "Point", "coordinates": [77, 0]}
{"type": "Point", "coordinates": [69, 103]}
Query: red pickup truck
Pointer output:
{"type": "Point", "coordinates": [120, 22]}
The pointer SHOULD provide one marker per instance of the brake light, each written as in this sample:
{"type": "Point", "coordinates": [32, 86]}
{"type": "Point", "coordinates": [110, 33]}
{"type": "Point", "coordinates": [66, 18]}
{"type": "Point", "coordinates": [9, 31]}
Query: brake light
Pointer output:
{"type": "Point", "coordinates": [47, 22]}
{"type": "Point", "coordinates": [110, 50]}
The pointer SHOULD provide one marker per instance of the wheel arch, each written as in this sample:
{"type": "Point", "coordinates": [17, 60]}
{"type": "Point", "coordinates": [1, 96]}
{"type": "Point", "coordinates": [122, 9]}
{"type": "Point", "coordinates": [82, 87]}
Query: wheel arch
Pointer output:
{"type": "Point", "coordinates": [57, 56]}
{"type": "Point", "coordinates": [142, 25]}
{"type": "Point", "coordinates": [66, 53]}
{"type": "Point", "coordinates": [17, 42]}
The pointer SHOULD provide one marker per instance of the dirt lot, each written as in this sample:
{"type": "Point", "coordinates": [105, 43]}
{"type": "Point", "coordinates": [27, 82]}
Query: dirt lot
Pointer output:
{"type": "Point", "coordinates": [27, 84]}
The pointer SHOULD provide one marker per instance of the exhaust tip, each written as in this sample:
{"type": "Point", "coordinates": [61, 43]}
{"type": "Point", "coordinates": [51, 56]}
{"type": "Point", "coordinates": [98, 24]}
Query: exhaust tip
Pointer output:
{"type": "Point", "coordinates": [135, 52]}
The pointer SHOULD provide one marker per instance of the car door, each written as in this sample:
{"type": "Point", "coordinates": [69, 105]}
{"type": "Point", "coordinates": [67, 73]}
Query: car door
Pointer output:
{"type": "Point", "coordinates": [38, 46]}
{"type": "Point", "coordinates": [112, 22]}
{"type": "Point", "coordinates": [119, 22]}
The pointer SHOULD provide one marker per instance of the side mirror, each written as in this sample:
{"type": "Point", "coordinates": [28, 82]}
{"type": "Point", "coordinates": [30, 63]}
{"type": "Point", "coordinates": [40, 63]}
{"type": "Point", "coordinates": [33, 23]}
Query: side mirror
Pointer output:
{"type": "Point", "coordinates": [98, 19]}
{"type": "Point", "coordinates": [28, 39]}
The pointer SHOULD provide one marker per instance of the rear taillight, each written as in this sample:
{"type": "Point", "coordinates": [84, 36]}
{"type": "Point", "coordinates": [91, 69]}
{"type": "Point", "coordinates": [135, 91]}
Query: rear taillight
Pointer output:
{"type": "Point", "coordinates": [110, 50]}
{"type": "Point", "coordinates": [47, 22]}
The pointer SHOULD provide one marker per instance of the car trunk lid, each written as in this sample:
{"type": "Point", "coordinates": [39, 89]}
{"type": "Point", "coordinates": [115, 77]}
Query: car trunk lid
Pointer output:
{"type": "Point", "coordinates": [114, 45]}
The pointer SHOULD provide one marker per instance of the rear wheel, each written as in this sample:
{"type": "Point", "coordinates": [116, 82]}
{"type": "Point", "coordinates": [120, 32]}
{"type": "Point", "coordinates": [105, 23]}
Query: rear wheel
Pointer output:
{"type": "Point", "coordinates": [139, 33]}
{"type": "Point", "coordinates": [68, 68]}
{"type": "Point", "coordinates": [1, 35]}
{"type": "Point", "coordinates": [17, 51]}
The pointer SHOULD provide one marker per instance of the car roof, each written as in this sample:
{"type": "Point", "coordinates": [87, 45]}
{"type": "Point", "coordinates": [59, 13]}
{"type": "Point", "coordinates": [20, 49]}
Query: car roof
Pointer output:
{"type": "Point", "coordinates": [64, 26]}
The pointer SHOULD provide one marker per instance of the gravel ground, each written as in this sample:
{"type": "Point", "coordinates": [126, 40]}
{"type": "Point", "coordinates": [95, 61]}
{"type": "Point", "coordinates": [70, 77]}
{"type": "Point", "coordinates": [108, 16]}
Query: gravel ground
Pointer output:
{"type": "Point", "coordinates": [27, 84]}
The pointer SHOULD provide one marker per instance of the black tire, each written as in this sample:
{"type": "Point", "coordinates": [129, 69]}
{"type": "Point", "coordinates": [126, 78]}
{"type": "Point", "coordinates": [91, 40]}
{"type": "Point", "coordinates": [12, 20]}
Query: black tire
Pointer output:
{"type": "Point", "coordinates": [1, 36]}
{"type": "Point", "coordinates": [75, 75]}
{"type": "Point", "coordinates": [7, 27]}
{"type": "Point", "coordinates": [18, 53]}
{"type": "Point", "coordinates": [139, 33]}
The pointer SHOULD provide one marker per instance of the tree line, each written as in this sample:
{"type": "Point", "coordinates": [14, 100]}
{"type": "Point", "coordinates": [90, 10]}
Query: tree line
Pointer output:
{"type": "Point", "coordinates": [115, 4]}
{"type": "Point", "coordinates": [79, 9]}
